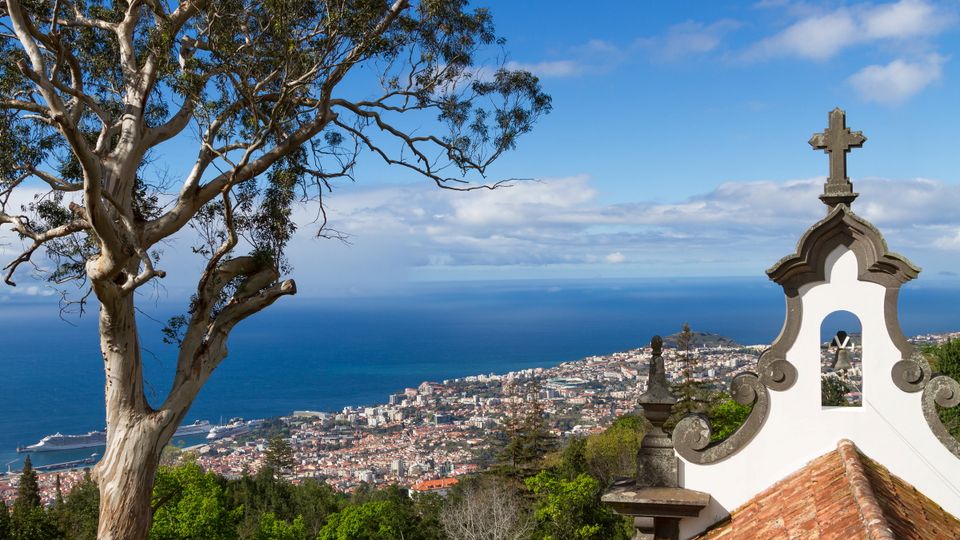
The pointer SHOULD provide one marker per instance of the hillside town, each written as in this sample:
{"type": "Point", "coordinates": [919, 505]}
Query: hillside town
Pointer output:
{"type": "Point", "coordinates": [423, 437]}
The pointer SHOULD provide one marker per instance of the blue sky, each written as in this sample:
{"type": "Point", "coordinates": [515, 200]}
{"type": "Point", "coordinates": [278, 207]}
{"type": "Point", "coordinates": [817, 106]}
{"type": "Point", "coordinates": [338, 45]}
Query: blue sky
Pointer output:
{"type": "Point", "coordinates": [667, 100]}
{"type": "Point", "coordinates": [677, 146]}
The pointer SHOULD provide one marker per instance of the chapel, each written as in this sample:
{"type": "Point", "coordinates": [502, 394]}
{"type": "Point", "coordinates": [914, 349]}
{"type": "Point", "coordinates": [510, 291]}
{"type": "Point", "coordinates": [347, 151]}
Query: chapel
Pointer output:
{"type": "Point", "coordinates": [799, 468]}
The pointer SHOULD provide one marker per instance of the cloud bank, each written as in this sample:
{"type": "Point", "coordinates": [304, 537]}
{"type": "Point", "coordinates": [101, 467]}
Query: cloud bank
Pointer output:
{"type": "Point", "coordinates": [560, 227]}
{"type": "Point", "coordinates": [823, 34]}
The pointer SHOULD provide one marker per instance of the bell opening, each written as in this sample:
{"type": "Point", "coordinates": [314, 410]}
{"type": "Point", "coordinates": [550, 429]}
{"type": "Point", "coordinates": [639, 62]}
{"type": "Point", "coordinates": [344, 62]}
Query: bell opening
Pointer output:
{"type": "Point", "coordinates": [841, 368]}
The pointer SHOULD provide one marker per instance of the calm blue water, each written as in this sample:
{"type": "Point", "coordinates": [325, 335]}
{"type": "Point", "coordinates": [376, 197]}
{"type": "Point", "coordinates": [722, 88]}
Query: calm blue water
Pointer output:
{"type": "Point", "coordinates": [324, 354]}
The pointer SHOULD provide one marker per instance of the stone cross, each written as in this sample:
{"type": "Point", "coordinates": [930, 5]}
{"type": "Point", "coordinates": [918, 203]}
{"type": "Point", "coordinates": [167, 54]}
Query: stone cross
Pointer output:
{"type": "Point", "coordinates": [837, 140]}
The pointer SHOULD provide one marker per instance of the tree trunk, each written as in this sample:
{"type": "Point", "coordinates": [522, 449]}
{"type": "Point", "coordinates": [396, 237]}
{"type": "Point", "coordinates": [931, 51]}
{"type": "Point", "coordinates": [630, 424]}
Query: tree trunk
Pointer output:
{"type": "Point", "coordinates": [125, 476]}
{"type": "Point", "coordinates": [136, 434]}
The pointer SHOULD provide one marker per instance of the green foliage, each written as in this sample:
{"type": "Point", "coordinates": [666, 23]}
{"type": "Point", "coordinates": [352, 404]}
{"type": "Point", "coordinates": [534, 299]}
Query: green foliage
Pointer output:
{"type": "Point", "coordinates": [693, 396]}
{"type": "Point", "coordinates": [726, 416]}
{"type": "Point", "coordinates": [279, 456]}
{"type": "Point", "coordinates": [257, 495]}
{"type": "Point", "coordinates": [272, 528]}
{"type": "Point", "coordinates": [375, 520]}
{"type": "Point", "coordinates": [4, 522]}
{"type": "Point", "coordinates": [430, 509]}
{"type": "Point", "coordinates": [79, 514]}
{"type": "Point", "coordinates": [262, 79]}
{"type": "Point", "coordinates": [528, 439]}
{"type": "Point", "coordinates": [192, 505]}
{"type": "Point", "coordinates": [945, 359]}
{"type": "Point", "coordinates": [313, 501]}
{"type": "Point", "coordinates": [570, 509]}
{"type": "Point", "coordinates": [613, 453]}
{"type": "Point", "coordinates": [33, 524]}
{"type": "Point", "coordinates": [832, 390]}
{"type": "Point", "coordinates": [262, 493]}
{"type": "Point", "coordinates": [29, 521]}
{"type": "Point", "coordinates": [28, 492]}
{"type": "Point", "coordinates": [261, 83]}
{"type": "Point", "coordinates": [571, 461]}
{"type": "Point", "coordinates": [386, 514]}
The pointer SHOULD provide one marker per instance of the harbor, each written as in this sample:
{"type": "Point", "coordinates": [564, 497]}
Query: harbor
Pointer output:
{"type": "Point", "coordinates": [60, 452]}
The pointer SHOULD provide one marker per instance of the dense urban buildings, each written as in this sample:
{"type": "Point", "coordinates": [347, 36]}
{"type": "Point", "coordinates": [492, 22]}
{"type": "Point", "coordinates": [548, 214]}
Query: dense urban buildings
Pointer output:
{"type": "Point", "coordinates": [453, 427]}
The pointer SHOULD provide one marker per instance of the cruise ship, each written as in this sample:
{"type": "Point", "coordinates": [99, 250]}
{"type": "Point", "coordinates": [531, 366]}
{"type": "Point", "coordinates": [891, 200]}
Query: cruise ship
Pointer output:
{"type": "Point", "coordinates": [237, 426]}
{"type": "Point", "coordinates": [95, 439]}
{"type": "Point", "coordinates": [198, 427]}
{"type": "Point", "coordinates": [58, 441]}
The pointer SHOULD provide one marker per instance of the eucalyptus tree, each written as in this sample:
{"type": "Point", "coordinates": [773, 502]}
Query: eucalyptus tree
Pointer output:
{"type": "Point", "coordinates": [271, 102]}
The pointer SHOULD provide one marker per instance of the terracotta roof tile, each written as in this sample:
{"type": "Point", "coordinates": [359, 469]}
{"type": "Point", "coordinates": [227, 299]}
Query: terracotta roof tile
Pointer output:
{"type": "Point", "coordinates": [432, 485]}
{"type": "Point", "coordinates": [840, 495]}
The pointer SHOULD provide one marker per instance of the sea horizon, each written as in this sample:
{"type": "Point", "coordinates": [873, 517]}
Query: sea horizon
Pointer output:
{"type": "Point", "coordinates": [328, 353]}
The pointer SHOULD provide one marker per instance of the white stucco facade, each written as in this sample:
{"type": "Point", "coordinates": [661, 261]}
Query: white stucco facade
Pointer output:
{"type": "Point", "coordinates": [889, 427]}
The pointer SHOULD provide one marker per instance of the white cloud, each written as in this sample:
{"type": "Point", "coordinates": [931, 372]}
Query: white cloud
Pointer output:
{"type": "Point", "coordinates": [898, 80]}
{"type": "Point", "coordinates": [816, 38]}
{"type": "Point", "coordinates": [689, 38]}
{"type": "Point", "coordinates": [949, 242]}
{"type": "Point", "coordinates": [819, 36]}
{"type": "Point", "coordinates": [561, 225]}
{"type": "Point", "coordinates": [736, 228]}
{"type": "Point", "coordinates": [548, 69]}
{"type": "Point", "coordinates": [592, 57]}
{"type": "Point", "coordinates": [615, 258]}
{"type": "Point", "coordinates": [900, 20]}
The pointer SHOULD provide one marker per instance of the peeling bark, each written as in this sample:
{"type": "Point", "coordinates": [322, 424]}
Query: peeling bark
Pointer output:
{"type": "Point", "coordinates": [136, 434]}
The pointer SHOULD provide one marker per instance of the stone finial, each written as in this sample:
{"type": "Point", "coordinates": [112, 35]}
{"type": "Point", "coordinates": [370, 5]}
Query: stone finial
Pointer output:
{"type": "Point", "coordinates": [655, 492]}
{"type": "Point", "coordinates": [658, 392]}
{"type": "Point", "coordinates": [656, 461]}
{"type": "Point", "coordinates": [837, 140]}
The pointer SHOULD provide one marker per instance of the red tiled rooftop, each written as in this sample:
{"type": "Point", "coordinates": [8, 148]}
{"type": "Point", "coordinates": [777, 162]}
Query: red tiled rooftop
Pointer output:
{"type": "Point", "coordinates": [840, 495]}
{"type": "Point", "coordinates": [430, 485]}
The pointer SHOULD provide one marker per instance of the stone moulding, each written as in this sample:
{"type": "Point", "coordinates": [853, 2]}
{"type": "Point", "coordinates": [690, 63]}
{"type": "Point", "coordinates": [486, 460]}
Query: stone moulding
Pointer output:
{"type": "Point", "coordinates": [911, 374]}
{"type": "Point", "coordinates": [691, 436]}
{"type": "Point", "coordinates": [842, 227]}
{"type": "Point", "coordinates": [945, 392]}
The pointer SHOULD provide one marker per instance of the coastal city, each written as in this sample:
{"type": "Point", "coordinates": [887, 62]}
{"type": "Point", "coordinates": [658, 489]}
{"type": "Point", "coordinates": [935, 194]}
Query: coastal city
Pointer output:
{"type": "Point", "coordinates": [423, 438]}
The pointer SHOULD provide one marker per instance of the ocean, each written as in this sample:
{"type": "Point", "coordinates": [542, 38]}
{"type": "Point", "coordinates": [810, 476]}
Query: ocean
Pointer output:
{"type": "Point", "coordinates": [326, 353]}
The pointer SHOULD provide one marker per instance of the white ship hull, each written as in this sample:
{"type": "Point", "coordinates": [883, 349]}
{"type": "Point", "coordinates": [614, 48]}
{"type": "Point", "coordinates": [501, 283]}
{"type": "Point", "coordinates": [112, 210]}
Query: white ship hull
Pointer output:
{"type": "Point", "coordinates": [232, 429]}
{"type": "Point", "coordinates": [197, 428]}
{"type": "Point", "coordinates": [96, 439]}
{"type": "Point", "coordinates": [58, 442]}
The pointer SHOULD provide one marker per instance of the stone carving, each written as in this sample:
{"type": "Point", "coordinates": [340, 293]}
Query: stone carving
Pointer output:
{"type": "Point", "coordinates": [837, 140]}
{"type": "Point", "coordinates": [945, 392]}
{"type": "Point", "coordinates": [656, 462]}
{"type": "Point", "coordinates": [842, 227]}
{"type": "Point", "coordinates": [775, 372]}
{"type": "Point", "coordinates": [691, 436]}
{"type": "Point", "coordinates": [911, 374]}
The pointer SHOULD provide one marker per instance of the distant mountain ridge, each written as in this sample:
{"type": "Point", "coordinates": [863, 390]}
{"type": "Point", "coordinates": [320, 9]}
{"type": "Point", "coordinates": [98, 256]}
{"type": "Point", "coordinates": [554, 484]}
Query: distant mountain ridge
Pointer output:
{"type": "Point", "coordinates": [702, 339]}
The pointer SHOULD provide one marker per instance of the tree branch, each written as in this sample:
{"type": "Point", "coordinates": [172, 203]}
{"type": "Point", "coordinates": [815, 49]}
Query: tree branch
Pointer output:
{"type": "Point", "coordinates": [189, 202]}
{"type": "Point", "coordinates": [22, 226]}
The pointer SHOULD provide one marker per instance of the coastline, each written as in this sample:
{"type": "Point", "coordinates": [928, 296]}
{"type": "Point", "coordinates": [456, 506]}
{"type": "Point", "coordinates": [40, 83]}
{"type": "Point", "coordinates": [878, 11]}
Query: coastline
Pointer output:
{"type": "Point", "coordinates": [359, 443]}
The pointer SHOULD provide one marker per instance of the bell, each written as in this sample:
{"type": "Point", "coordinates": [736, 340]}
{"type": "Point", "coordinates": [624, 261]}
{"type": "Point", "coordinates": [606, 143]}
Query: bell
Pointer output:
{"type": "Point", "coordinates": [842, 360]}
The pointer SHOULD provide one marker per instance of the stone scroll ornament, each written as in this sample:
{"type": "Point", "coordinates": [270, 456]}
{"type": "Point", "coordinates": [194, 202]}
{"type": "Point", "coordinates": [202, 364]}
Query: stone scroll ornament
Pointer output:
{"type": "Point", "coordinates": [913, 374]}
{"type": "Point", "coordinates": [691, 436]}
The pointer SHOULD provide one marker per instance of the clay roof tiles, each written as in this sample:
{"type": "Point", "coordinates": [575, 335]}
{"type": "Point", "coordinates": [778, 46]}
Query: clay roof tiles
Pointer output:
{"type": "Point", "coordinates": [431, 485]}
{"type": "Point", "coordinates": [840, 495]}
